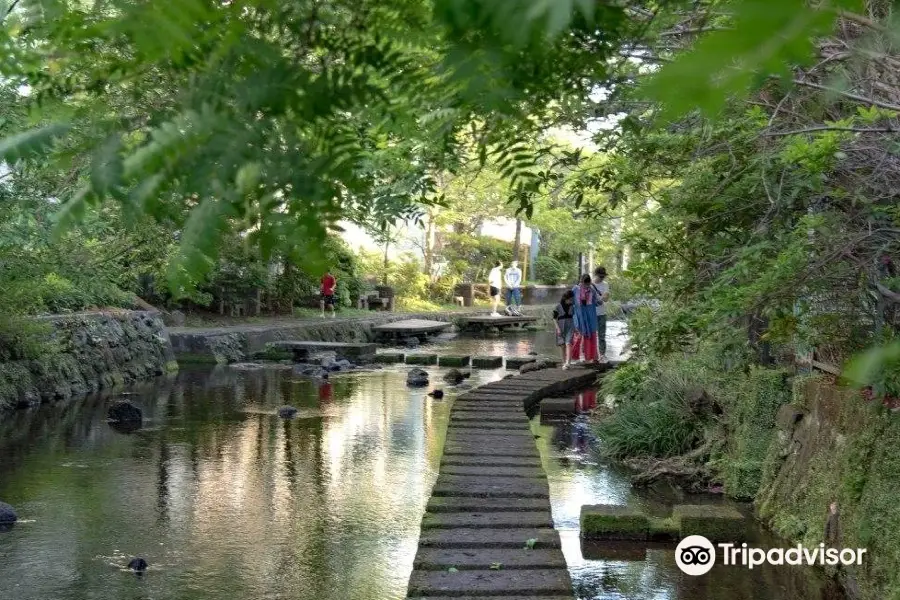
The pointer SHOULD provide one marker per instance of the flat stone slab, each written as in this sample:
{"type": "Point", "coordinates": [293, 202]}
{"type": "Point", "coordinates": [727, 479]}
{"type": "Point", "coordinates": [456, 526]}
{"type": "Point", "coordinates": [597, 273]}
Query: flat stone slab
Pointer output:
{"type": "Point", "coordinates": [461, 417]}
{"type": "Point", "coordinates": [501, 434]}
{"type": "Point", "coordinates": [412, 327]}
{"type": "Point", "coordinates": [345, 349]}
{"type": "Point", "coordinates": [716, 522]}
{"type": "Point", "coordinates": [489, 538]}
{"type": "Point", "coordinates": [477, 449]}
{"type": "Point", "coordinates": [484, 394]}
{"type": "Point", "coordinates": [490, 461]}
{"type": "Point", "coordinates": [558, 406]}
{"type": "Point", "coordinates": [493, 519]}
{"type": "Point", "coordinates": [440, 559]}
{"type": "Point", "coordinates": [421, 359]}
{"type": "Point", "coordinates": [522, 444]}
{"type": "Point", "coordinates": [533, 581]}
{"type": "Point", "coordinates": [492, 471]}
{"type": "Point", "coordinates": [498, 321]}
{"type": "Point", "coordinates": [494, 426]}
{"type": "Point", "coordinates": [487, 362]}
{"type": "Point", "coordinates": [442, 504]}
{"type": "Point", "coordinates": [389, 358]}
{"type": "Point", "coordinates": [491, 487]}
{"type": "Point", "coordinates": [454, 361]}
{"type": "Point", "coordinates": [468, 407]}
{"type": "Point", "coordinates": [613, 522]}
{"type": "Point", "coordinates": [495, 598]}
{"type": "Point", "coordinates": [515, 362]}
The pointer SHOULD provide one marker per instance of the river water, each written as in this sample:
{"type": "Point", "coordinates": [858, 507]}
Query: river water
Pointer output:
{"type": "Point", "coordinates": [226, 501]}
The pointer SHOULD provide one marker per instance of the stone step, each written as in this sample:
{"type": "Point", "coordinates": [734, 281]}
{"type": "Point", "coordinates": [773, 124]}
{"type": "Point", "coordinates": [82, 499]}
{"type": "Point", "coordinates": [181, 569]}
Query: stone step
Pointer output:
{"type": "Point", "coordinates": [493, 597]}
{"type": "Point", "coordinates": [492, 519]}
{"type": "Point", "coordinates": [461, 460]}
{"type": "Point", "coordinates": [492, 471]}
{"type": "Point", "coordinates": [438, 559]}
{"type": "Point", "coordinates": [502, 435]}
{"type": "Point", "coordinates": [535, 582]}
{"type": "Point", "coordinates": [465, 537]}
{"type": "Point", "coordinates": [475, 424]}
{"type": "Point", "coordinates": [492, 418]}
{"type": "Point", "coordinates": [497, 407]}
{"type": "Point", "coordinates": [496, 487]}
{"type": "Point", "coordinates": [476, 449]}
{"type": "Point", "coordinates": [449, 504]}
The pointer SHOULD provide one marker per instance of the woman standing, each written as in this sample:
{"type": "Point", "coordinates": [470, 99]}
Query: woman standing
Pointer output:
{"type": "Point", "coordinates": [586, 301]}
{"type": "Point", "coordinates": [565, 326]}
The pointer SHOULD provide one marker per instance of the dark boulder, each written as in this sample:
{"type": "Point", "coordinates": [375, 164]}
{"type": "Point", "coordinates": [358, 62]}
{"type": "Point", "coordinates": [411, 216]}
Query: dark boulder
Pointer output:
{"type": "Point", "coordinates": [436, 394]}
{"type": "Point", "coordinates": [411, 342]}
{"type": "Point", "coordinates": [287, 412]}
{"type": "Point", "coordinates": [8, 517]}
{"type": "Point", "coordinates": [138, 565]}
{"type": "Point", "coordinates": [125, 412]}
{"type": "Point", "coordinates": [532, 354]}
{"type": "Point", "coordinates": [417, 378]}
{"type": "Point", "coordinates": [454, 376]}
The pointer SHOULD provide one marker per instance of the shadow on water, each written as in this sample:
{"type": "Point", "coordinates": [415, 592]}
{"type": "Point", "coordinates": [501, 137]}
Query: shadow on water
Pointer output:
{"type": "Point", "coordinates": [621, 570]}
{"type": "Point", "coordinates": [225, 500]}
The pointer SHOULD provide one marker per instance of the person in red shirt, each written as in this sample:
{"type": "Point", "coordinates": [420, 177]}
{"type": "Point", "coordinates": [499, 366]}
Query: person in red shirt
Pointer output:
{"type": "Point", "coordinates": [329, 283]}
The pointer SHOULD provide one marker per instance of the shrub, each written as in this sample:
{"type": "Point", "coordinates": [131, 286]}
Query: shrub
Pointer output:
{"type": "Point", "coordinates": [549, 271]}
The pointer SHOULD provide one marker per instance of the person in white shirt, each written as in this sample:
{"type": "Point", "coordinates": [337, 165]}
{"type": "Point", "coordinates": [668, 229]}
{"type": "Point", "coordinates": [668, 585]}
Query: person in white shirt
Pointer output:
{"type": "Point", "coordinates": [602, 289]}
{"type": "Point", "coordinates": [495, 281]}
{"type": "Point", "coordinates": [513, 279]}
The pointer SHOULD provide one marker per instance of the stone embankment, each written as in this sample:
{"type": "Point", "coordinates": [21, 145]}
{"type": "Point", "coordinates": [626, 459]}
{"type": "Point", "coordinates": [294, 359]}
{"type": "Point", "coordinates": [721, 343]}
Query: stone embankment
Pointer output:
{"type": "Point", "coordinates": [87, 352]}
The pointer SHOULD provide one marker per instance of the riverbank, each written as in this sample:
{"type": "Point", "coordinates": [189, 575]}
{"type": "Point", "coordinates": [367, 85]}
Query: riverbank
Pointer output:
{"type": "Point", "coordinates": [87, 352]}
{"type": "Point", "coordinates": [238, 342]}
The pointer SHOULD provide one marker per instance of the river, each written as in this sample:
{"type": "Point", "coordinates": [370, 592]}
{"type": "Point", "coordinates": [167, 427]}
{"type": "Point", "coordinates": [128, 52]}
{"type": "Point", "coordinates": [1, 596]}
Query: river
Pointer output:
{"type": "Point", "coordinates": [226, 501]}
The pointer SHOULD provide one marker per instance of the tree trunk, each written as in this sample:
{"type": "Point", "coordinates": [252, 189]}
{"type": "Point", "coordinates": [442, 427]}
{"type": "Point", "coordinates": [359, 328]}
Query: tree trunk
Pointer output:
{"type": "Point", "coordinates": [384, 271]}
{"type": "Point", "coordinates": [428, 246]}
{"type": "Point", "coordinates": [517, 244]}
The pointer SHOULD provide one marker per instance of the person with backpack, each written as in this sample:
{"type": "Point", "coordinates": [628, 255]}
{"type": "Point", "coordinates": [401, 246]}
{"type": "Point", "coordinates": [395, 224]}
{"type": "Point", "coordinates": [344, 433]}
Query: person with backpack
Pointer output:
{"type": "Point", "coordinates": [563, 317]}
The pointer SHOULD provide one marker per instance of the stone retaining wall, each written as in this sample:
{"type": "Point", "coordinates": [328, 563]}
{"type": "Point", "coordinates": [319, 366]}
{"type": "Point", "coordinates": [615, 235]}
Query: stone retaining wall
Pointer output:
{"type": "Point", "coordinates": [91, 351]}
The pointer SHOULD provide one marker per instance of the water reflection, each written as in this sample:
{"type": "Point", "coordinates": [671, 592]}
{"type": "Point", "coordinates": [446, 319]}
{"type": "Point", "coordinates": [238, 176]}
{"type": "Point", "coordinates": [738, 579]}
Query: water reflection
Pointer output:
{"type": "Point", "coordinates": [221, 497]}
{"type": "Point", "coordinates": [613, 571]}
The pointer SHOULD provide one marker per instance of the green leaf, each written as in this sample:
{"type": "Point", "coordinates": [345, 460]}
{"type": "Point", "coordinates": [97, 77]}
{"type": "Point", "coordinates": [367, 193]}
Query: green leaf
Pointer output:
{"type": "Point", "coordinates": [31, 143]}
{"type": "Point", "coordinates": [862, 369]}
{"type": "Point", "coordinates": [453, 570]}
{"type": "Point", "coordinates": [530, 543]}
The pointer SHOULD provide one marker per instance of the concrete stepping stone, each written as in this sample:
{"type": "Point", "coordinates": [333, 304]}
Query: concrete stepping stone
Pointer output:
{"type": "Point", "coordinates": [490, 461]}
{"type": "Point", "coordinates": [421, 359]}
{"type": "Point", "coordinates": [494, 597]}
{"type": "Point", "coordinates": [492, 417]}
{"type": "Point", "coordinates": [519, 432]}
{"type": "Point", "coordinates": [439, 559]}
{"type": "Point", "coordinates": [536, 582]}
{"type": "Point", "coordinates": [489, 538]}
{"type": "Point", "coordinates": [487, 362]}
{"type": "Point", "coordinates": [492, 471]}
{"type": "Point", "coordinates": [474, 425]}
{"type": "Point", "coordinates": [442, 504]}
{"type": "Point", "coordinates": [475, 449]}
{"type": "Point", "coordinates": [493, 519]}
{"type": "Point", "coordinates": [491, 487]}
{"type": "Point", "coordinates": [389, 358]}
{"type": "Point", "coordinates": [454, 361]}
{"type": "Point", "coordinates": [515, 362]}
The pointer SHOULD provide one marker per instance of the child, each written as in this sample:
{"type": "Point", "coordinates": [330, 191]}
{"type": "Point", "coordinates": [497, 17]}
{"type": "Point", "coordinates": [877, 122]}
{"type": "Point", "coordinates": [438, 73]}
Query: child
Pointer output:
{"type": "Point", "coordinates": [586, 301]}
{"type": "Point", "coordinates": [565, 326]}
{"type": "Point", "coordinates": [329, 283]}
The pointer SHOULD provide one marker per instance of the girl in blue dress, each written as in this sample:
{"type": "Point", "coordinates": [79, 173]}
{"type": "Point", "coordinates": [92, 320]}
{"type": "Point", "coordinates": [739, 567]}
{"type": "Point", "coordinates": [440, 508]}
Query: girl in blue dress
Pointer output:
{"type": "Point", "coordinates": [586, 301]}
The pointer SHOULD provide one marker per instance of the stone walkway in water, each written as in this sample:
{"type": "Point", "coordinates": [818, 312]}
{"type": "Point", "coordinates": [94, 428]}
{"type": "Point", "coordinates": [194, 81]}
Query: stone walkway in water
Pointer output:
{"type": "Point", "coordinates": [488, 531]}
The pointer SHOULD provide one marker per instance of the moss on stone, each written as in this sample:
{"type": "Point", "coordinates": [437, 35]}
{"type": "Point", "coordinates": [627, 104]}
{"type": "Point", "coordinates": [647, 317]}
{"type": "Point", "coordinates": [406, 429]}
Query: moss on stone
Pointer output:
{"type": "Point", "coordinates": [487, 362]}
{"type": "Point", "coordinates": [171, 366]}
{"type": "Point", "coordinates": [421, 359]}
{"type": "Point", "coordinates": [663, 528]}
{"type": "Point", "coordinates": [612, 522]}
{"type": "Point", "coordinates": [454, 361]}
{"type": "Point", "coordinates": [717, 523]}
{"type": "Point", "coordinates": [389, 358]}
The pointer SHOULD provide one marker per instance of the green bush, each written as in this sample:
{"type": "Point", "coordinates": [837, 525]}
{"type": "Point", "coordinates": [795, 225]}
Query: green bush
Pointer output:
{"type": "Point", "coordinates": [549, 271]}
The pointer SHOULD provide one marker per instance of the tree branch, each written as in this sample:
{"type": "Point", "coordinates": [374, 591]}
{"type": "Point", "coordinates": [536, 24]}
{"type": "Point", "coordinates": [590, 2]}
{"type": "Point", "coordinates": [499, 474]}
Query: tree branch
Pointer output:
{"type": "Point", "coordinates": [863, 99]}
{"type": "Point", "coordinates": [831, 128]}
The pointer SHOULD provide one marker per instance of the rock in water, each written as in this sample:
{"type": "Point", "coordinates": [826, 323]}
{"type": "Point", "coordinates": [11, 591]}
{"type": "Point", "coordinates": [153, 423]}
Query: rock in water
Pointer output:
{"type": "Point", "coordinates": [454, 376]}
{"type": "Point", "coordinates": [125, 412]}
{"type": "Point", "coordinates": [417, 378]}
{"type": "Point", "coordinates": [436, 394]}
{"type": "Point", "coordinates": [411, 342]}
{"type": "Point", "coordinates": [311, 372]}
{"type": "Point", "coordinates": [287, 412]}
{"type": "Point", "coordinates": [8, 516]}
{"type": "Point", "coordinates": [138, 565]}
{"type": "Point", "coordinates": [532, 354]}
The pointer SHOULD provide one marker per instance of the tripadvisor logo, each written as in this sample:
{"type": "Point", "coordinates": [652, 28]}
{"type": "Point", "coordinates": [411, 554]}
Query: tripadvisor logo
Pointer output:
{"type": "Point", "coordinates": [696, 555]}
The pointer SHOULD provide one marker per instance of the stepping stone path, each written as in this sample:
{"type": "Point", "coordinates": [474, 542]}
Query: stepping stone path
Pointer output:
{"type": "Point", "coordinates": [488, 531]}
